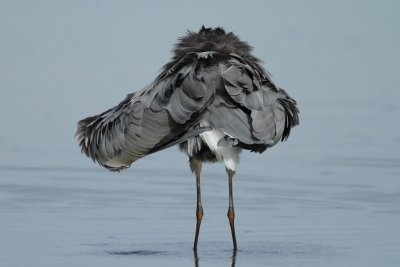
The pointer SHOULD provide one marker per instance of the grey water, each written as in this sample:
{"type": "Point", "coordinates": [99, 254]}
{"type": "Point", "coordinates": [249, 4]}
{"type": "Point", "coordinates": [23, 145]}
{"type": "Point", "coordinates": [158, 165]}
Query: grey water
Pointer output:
{"type": "Point", "coordinates": [330, 196]}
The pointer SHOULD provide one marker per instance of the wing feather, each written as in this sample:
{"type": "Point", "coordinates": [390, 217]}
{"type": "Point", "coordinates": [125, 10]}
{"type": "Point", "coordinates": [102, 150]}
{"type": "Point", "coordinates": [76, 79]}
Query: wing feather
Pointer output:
{"type": "Point", "coordinates": [233, 96]}
{"type": "Point", "coordinates": [270, 111]}
{"type": "Point", "coordinates": [146, 121]}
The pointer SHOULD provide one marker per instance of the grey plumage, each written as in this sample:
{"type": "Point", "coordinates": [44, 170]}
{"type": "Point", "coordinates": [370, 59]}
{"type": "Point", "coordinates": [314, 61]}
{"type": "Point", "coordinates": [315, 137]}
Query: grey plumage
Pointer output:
{"type": "Point", "coordinates": [212, 82]}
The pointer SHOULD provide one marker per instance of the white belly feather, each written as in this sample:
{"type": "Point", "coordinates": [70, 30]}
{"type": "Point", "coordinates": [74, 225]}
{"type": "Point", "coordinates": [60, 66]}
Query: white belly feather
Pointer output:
{"type": "Point", "coordinates": [230, 155]}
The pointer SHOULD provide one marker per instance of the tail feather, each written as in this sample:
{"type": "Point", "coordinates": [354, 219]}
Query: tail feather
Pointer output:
{"type": "Point", "coordinates": [291, 113]}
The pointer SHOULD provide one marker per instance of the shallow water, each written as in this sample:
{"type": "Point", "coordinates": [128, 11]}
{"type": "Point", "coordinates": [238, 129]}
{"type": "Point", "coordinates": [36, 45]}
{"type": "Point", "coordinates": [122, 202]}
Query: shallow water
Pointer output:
{"type": "Point", "coordinates": [329, 213]}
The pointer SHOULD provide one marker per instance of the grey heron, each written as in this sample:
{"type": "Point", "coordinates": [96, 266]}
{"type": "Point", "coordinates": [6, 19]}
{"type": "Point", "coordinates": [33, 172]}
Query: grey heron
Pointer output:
{"type": "Point", "coordinates": [213, 99]}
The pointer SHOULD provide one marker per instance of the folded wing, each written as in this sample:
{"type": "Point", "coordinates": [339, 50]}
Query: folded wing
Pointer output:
{"type": "Point", "coordinates": [253, 111]}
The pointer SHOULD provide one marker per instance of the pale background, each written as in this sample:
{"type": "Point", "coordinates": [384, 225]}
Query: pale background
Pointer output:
{"type": "Point", "coordinates": [330, 196]}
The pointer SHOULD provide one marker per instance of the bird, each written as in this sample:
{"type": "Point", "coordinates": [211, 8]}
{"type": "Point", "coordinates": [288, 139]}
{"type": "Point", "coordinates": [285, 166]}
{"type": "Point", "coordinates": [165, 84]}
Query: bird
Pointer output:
{"type": "Point", "coordinates": [213, 99]}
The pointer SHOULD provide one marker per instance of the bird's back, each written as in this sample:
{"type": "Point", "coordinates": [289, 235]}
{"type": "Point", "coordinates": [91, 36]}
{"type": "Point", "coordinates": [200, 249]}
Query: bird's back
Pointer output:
{"type": "Point", "coordinates": [212, 82]}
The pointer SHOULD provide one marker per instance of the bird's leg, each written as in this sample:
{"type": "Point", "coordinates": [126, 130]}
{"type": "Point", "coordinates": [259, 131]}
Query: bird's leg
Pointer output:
{"type": "Point", "coordinates": [195, 166]}
{"type": "Point", "coordinates": [231, 211]}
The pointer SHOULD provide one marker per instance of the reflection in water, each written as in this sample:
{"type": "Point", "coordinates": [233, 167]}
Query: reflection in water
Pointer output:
{"type": "Point", "coordinates": [234, 257]}
{"type": "Point", "coordinates": [251, 253]}
{"type": "Point", "coordinates": [196, 258]}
